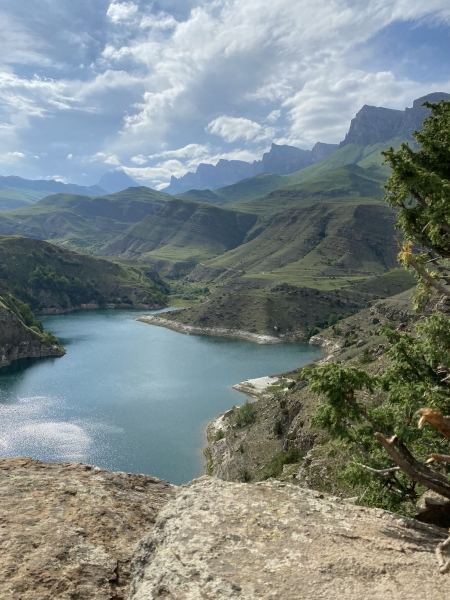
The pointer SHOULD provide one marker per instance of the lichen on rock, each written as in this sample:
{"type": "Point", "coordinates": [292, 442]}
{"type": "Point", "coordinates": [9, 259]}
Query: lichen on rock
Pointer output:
{"type": "Point", "coordinates": [68, 530]}
{"type": "Point", "coordinates": [276, 541]}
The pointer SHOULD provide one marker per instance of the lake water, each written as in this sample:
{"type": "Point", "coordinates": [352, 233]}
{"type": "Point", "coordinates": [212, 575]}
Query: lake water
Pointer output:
{"type": "Point", "coordinates": [129, 396]}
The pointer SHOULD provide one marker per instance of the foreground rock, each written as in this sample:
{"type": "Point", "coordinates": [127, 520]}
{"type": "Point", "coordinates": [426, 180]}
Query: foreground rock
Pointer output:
{"type": "Point", "coordinates": [68, 530]}
{"type": "Point", "coordinates": [276, 541]}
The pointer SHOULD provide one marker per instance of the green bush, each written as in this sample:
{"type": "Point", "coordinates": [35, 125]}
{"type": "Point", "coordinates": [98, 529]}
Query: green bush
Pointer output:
{"type": "Point", "coordinates": [245, 476]}
{"type": "Point", "coordinates": [246, 414]}
{"type": "Point", "coordinates": [275, 467]}
{"type": "Point", "coordinates": [278, 428]}
{"type": "Point", "coordinates": [219, 435]}
{"type": "Point", "coordinates": [366, 357]}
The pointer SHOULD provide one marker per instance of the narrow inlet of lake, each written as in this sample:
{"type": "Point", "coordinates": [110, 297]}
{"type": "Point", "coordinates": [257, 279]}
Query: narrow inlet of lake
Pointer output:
{"type": "Point", "coordinates": [129, 396]}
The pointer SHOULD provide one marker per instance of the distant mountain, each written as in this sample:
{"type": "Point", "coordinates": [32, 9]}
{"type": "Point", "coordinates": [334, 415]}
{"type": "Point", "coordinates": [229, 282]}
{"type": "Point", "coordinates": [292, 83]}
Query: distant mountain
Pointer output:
{"type": "Point", "coordinates": [116, 181]}
{"type": "Point", "coordinates": [280, 160]}
{"type": "Point", "coordinates": [81, 222]}
{"type": "Point", "coordinates": [16, 192]}
{"type": "Point", "coordinates": [374, 124]}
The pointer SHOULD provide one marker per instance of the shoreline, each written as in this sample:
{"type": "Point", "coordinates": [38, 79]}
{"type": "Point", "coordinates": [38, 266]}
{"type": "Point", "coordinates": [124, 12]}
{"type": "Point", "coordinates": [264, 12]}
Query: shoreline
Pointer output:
{"type": "Point", "coordinates": [264, 387]}
{"type": "Point", "coordinates": [257, 338]}
{"type": "Point", "coordinates": [48, 312]}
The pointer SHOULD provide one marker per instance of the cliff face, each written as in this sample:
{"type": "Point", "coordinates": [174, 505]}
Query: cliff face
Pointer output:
{"type": "Point", "coordinates": [17, 341]}
{"type": "Point", "coordinates": [277, 541]}
{"type": "Point", "coordinates": [68, 530]}
{"type": "Point", "coordinates": [75, 531]}
{"type": "Point", "coordinates": [373, 124]}
{"type": "Point", "coordinates": [280, 160]}
{"type": "Point", "coordinates": [212, 177]}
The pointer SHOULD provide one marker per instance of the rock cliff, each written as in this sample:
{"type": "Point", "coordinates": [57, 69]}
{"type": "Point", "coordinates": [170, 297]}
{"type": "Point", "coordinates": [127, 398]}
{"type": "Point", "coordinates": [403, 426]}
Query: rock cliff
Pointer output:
{"type": "Point", "coordinates": [276, 541]}
{"type": "Point", "coordinates": [73, 531]}
{"type": "Point", "coordinates": [374, 124]}
{"type": "Point", "coordinates": [67, 531]}
{"type": "Point", "coordinates": [19, 341]}
{"type": "Point", "coordinates": [280, 160]}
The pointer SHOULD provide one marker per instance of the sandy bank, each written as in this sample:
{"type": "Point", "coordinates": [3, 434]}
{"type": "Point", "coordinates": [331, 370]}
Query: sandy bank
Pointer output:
{"type": "Point", "coordinates": [214, 331]}
{"type": "Point", "coordinates": [263, 386]}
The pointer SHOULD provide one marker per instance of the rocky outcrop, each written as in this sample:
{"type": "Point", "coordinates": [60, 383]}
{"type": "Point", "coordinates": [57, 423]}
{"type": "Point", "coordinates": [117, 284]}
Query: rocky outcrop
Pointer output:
{"type": "Point", "coordinates": [374, 124]}
{"type": "Point", "coordinates": [273, 540]}
{"type": "Point", "coordinates": [74, 531]}
{"type": "Point", "coordinates": [321, 151]}
{"type": "Point", "coordinates": [212, 177]}
{"type": "Point", "coordinates": [68, 530]}
{"type": "Point", "coordinates": [17, 341]}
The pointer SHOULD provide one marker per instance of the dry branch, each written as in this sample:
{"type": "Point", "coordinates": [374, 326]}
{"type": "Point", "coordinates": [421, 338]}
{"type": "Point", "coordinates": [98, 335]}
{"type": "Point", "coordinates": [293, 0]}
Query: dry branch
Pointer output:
{"type": "Point", "coordinates": [380, 472]}
{"type": "Point", "coordinates": [436, 419]}
{"type": "Point", "coordinates": [444, 565]}
{"type": "Point", "coordinates": [418, 472]}
{"type": "Point", "coordinates": [439, 458]}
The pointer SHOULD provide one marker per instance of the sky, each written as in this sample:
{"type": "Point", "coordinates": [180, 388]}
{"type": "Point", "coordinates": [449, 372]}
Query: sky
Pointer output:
{"type": "Point", "coordinates": [157, 87]}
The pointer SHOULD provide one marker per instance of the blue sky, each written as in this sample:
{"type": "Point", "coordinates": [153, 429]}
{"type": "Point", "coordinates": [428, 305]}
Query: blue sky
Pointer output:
{"type": "Point", "coordinates": [157, 87]}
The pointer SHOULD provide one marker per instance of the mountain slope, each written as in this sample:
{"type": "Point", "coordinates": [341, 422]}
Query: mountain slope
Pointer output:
{"type": "Point", "coordinates": [116, 181]}
{"type": "Point", "coordinates": [81, 222]}
{"type": "Point", "coordinates": [179, 234]}
{"type": "Point", "coordinates": [16, 191]}
{"type": "Point", "coordinates": [52, 280]}
{"type": "Point", "coordinates": [372, 130]}
{"type": "Point", "coordinates": [21, 336]}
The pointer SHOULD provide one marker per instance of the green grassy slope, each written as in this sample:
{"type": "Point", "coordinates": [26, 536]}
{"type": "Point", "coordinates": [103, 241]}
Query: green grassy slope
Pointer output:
{"type": "Point", "coordinates": [322, 245]}
{"type": "Point", "coordinates": [51, 278]}
{"type": "Point", "coordinates": [348, 182]}
{"type": "Point", "coordinates": [180, 234]}
{"type": "Point", "coordinates": [81, 222]}
{"type": "Point", "coordinates": [245, 190]}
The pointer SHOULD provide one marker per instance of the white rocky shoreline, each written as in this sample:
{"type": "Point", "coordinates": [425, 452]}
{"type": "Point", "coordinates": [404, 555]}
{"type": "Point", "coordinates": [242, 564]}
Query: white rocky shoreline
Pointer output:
{"type": "Point", "coordinates": [212, 331]}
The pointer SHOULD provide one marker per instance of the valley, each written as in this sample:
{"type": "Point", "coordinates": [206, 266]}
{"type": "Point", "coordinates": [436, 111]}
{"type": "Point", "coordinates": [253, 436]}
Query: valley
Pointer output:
{"type": "Point", "coordinates": [272, 259]}
{"type": "Point", "coordinates": [278, 253]}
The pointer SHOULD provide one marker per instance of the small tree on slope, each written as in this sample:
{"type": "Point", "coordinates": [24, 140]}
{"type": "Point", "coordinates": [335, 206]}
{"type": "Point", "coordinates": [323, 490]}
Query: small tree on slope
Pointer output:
{"type": "Point", "coordinates": [376, 416]}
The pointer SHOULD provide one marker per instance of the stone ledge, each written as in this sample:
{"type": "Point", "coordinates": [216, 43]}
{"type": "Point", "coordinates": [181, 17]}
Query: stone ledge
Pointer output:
{"type": "Point", "coordinates": [276, 541]}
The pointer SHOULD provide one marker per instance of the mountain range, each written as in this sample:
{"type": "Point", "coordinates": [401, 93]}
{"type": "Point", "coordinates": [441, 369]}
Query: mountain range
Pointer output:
{"type": "Point", "coordinates": [371, 125]}
{"type": "Point", "coordinates": [280, 160]}
{"type": "Point", "coordinates": [16, 192]}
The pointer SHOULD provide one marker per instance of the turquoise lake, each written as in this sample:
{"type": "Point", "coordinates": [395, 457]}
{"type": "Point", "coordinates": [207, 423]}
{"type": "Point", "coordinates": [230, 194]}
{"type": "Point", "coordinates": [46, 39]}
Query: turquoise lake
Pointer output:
{"type": "Point", "coordinates": [129, 396]}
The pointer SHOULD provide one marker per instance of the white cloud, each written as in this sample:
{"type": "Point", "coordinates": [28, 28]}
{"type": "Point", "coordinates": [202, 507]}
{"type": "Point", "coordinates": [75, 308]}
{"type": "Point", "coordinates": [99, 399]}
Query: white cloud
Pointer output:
{"type": "Point", "coordinates": [232, 129]}
{"type": "Point", "coordinates": [16, 154]}
{"type": "Point", "coordinates": [161, 21]}
{"type": "Point", "coordinates": [174, 164]}
{"type": "Point", "coordinates": [139, 159]}
{"type": "Point", "coordinates": [273, 116]}
{"type": "Point", "coordinates": [121, 11]}
{"type": "Point", "coordinates": [322, 110]}
{"type": "Point", "coordinates": [107, 159]}
{"type": "Point", "coordinates": [286, 70]}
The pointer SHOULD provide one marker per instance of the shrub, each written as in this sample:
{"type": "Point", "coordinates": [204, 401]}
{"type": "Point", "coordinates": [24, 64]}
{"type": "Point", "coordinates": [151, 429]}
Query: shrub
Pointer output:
{"type": "Point", "coordinates": [278, 428]}
{"type": "Point", "coordinates": [246, 414]}
{"type": "Point", "coordinates": [275, 467]}
{"type": "Point", "coordinates": [219, 435]}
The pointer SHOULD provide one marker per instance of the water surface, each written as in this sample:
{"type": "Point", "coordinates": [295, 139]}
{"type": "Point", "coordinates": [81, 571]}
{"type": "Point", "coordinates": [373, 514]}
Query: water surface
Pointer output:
{"type": "Point", "coordinates": [129, 396]}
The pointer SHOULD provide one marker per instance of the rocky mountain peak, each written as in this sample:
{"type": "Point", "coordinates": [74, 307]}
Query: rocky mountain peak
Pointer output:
{"type": "Point", "coordinates": [375, 124]}
{"type": "Point", "coordinates": [116, 181]}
